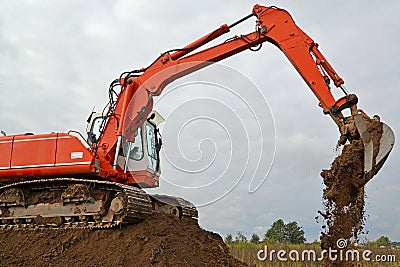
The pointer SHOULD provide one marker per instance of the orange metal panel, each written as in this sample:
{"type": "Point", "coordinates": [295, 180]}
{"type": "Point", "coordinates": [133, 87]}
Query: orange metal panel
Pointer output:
{"type": "Point", "coordinates": [31, 151]}
{"type": "Point", "coordinates": [142, 179]}
{"type": "Point", "coordinates": [71, 151]}
{"type": "Point", "coordinates": [12, 175]}
{"type": "Point", "coordinates": [5, 152]}
{"type": "Point", "coordinates": [56, 154]}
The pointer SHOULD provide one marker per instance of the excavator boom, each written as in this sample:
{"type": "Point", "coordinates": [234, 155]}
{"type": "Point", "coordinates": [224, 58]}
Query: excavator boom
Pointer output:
{"type": "Point", "coordinates": [276, 26]}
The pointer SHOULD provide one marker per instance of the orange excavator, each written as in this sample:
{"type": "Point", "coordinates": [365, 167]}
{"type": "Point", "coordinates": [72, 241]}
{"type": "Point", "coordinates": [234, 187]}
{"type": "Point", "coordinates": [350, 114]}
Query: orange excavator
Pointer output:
{"type": "Point", "coordinates": [66, 180]}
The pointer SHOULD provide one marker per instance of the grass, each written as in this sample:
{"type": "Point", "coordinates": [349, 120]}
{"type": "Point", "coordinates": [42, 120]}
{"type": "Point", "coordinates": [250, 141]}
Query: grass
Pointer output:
{"type": "Point", "coordinates": [247, 253]}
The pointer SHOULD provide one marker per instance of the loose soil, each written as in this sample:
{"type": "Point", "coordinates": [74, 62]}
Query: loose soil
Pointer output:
{"type": "Point", "coordinates": [159, 240]}
{"type": "Point", "coordinates": [344, 197]}
{"type": "Point", "coordinates": [344, 193]}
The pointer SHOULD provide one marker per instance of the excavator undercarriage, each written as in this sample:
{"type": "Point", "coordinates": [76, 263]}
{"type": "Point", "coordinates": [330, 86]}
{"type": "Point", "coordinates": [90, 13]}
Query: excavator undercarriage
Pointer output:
{"type": "Point", "coordinates": [82, 203]}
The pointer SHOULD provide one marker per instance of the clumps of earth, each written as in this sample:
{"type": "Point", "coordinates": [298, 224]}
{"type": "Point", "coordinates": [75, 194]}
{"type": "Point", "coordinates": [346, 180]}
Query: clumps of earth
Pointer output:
{"type": "Point", "coordinates": [159, 240]}
{"type": "Point", "coordinates": [344, 194]}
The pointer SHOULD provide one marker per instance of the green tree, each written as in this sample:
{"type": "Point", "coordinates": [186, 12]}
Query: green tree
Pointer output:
{"type": "Point", "coordinates": [285, 233]}
{"type": "Point", "coordinates": [229, 239]}
{"type": "Point", "coordinates": [240, 238]}
{"type": "Point", "coordinates": [276, 233]}
{"type": "Point", "coordinates": [255, 239]}
{"type": "Point", "coordinates": [294, 234]}
{"type": "Point", "coordinates": [383, 241]}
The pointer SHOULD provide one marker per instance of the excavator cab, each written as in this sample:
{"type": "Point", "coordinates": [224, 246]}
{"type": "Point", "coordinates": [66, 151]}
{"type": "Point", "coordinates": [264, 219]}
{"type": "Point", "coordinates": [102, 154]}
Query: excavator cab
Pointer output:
{"type": "Point", "coordinates": [142, 153]}
{"type": "Point", "coordinates": [141, 157]}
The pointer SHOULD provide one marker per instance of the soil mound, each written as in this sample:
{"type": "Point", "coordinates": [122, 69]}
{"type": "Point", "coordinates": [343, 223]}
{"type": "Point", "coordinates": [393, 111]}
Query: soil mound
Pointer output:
{"type": "Point", "coordinates": [159, 240]}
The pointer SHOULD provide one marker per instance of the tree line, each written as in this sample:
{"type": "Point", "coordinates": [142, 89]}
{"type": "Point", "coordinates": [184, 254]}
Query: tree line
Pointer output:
{"type": "Point", "coordinates": [291, 233]}
{"type": "Point", "coordinates": [279, 232]}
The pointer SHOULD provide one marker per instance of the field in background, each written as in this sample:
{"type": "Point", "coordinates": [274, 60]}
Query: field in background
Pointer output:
{"type": "Point", "coordinates": [247, 253]}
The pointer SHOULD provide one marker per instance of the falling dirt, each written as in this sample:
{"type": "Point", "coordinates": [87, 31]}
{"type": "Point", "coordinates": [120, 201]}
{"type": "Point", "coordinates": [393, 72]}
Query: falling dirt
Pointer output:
{"type": "Point", "coordinates": [344, 195]}
{"type": "Point", "coordinates": [159, 240]}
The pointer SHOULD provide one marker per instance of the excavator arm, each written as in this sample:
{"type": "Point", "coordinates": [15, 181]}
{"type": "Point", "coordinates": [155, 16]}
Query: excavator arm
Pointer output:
{"type": "Point", "coordinates": [273, 25]}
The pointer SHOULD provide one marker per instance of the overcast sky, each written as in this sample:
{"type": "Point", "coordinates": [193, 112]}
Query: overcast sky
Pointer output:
{"type": "Point", "coordinates": [223, 123]}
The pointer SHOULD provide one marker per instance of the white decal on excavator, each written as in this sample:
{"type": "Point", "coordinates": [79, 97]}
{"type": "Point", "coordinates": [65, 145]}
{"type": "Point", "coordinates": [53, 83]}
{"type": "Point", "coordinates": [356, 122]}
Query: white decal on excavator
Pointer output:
{"type": "Point", "coordinates": [76, 155]}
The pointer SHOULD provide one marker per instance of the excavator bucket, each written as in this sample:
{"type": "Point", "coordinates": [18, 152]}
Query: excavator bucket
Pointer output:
{"type": "Point", "coordinates": [378, 139]}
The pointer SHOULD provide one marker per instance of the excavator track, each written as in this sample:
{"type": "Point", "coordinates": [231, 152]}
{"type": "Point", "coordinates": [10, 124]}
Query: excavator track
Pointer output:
{"type": "Point", "coordinates": [183, 207]}
{"type": "Point", "coordinates": [63, 203]}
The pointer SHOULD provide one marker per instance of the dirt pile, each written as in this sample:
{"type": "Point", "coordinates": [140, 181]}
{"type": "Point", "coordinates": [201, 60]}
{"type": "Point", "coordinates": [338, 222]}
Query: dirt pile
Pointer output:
{"type": "Point", "coordinates": [157, 241]}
